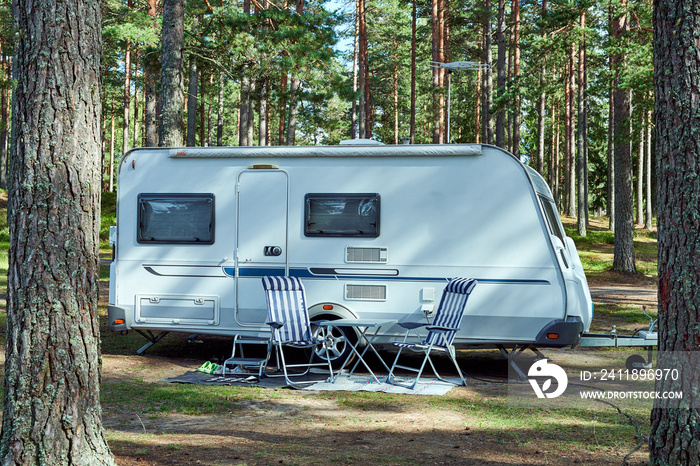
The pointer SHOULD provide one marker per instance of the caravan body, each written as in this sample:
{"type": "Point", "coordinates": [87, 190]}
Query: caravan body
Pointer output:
{"type": "Point", "coordinates": [374, 231]}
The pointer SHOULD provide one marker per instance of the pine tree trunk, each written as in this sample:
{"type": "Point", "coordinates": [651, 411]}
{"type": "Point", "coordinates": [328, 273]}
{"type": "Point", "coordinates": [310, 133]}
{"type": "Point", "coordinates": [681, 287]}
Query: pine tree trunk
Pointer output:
{"type": "Point", "coordinates": [571, 195]}
{"type": "Point", "coordinates": [568, 111]}
{"type": "Point", "coordinates": [647, 158]}
{"type": "Point", "coordinates": [220, 113]}
{"type": "Point", "coordinates": [581, 165]}
{"type": "Point", "coordinates": [112, 136]}
{"type": "Point", "coordinates": [623, 258]}
{"type": "Point", "coordinates": [172, 79]}
{"type": "Point", "coordinates": [292, 122]}
{"type": "Point", "coordinates": [354, 131]}
{"type": "Point", "coordinates": [542, 108]}
{"type": "Point", "coordinates": [202, 110]}
{"type": "Point", "coordinates": [487, 82]}
{"type": "Point", "coordinates": [4, 140]}
{"type": "Point", "coordinates": [611, 160]}
{"type": "Point", "coordinates": [640, 172]}
{"type": "Point", "coordinates": [675, 431]}
{"type": "Point", "coordinates": [127, 97]}
{"type": "Point", "coordinates": [263, 113]}
{"type": "Point", "coordinates": [517, 119]}
{"type": "Point", "coordinates": [293, 98]}
{"type": "Point", "coordinates": [281, 133]}
{"type": "Point", "coordinates": [192, 92]}
{"type": "Point", "coordinates": [136, 124]}
{"type": "Point", "coordinates": [52, 412]}
{"type": "Point", "coordinates": [501, 74]}
{"type": "Point", "coordinates": [243, 112]}
{"type": "Point", "coordinates": [150, 71]}
{"type": "Point", "coordinates": [414, 18]}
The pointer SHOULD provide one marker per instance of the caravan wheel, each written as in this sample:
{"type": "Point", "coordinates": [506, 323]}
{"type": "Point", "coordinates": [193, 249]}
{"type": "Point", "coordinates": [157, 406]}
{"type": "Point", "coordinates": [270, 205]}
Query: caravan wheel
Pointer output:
{"type": "Point", "coordinates": [338, 347]}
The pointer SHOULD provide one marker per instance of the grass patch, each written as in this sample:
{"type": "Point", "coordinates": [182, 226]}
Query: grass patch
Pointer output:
{"type": "Point", "coordinates": [158, 398]}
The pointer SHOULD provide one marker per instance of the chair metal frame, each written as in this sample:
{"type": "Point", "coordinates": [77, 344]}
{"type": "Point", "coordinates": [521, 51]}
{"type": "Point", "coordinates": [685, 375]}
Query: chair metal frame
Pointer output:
{"type": "Point", "coordinates": [290, 326]}
{"type": "Point", "coordinates": [441, 333]}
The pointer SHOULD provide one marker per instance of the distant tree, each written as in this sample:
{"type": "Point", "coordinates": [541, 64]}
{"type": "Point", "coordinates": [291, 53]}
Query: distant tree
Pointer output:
{"type": "Point", "coordinates": [675, 431]}
{"type": "Point", "coordinates": [623, 258]}
{"type": "Point", "coordinates": [52, 411]}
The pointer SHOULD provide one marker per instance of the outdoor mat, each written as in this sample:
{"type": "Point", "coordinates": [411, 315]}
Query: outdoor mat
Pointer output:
{"type": "Point", "coordinates": [366, 383]}
{"type": "Point", "coordinates": [348, 383]}
{"type": "Point", "coordinates": [202, 378]}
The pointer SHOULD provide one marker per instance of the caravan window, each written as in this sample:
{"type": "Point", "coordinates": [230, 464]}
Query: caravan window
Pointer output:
{"type": "Point", "coordinates": [176, 218]}
{"type": "Point", "coordinates": [350, 215]}
{"type": "Point", "coordinates": [553, 220]}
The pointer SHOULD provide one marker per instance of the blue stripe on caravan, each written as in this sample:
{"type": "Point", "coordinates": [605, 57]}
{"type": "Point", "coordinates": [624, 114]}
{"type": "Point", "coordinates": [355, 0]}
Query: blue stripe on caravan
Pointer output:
{"type": "Point", "coordinates": [301, 272]}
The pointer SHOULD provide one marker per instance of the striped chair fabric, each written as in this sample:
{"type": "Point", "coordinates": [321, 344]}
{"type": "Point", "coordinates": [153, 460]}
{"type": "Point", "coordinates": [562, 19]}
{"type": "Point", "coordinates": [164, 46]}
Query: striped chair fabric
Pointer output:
{"type": "Point", "coordinates": [451, 310]}
{"type": "Point", "coordinates": [286, 305]}
{"type": "Point", "coordinates": [441, 333]}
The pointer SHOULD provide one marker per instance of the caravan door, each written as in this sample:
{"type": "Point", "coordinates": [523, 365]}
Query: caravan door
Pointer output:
{"type": "Point", "coordinates": [261, 247]}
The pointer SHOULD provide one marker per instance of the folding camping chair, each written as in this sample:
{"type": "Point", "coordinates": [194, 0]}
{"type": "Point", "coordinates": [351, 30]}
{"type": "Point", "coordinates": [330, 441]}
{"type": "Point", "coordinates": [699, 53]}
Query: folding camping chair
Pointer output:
{"type": "Point", "coordinates": [288, 319]}
{"type": "Point", "coordinates": [441, 333]}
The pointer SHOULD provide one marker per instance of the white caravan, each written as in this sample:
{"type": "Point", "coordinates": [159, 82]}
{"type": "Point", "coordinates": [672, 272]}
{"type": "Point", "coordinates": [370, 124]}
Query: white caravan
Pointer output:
{"type": "Point", "coordinates": [373, 231]}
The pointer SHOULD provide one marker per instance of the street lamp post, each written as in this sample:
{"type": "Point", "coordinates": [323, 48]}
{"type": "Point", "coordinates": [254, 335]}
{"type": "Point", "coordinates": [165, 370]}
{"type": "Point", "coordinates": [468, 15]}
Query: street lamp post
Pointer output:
{"type": "Point", "coordinates": [450, 67]}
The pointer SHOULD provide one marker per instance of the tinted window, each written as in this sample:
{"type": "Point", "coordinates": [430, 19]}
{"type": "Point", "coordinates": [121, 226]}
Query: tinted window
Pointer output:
{"type": "Point", "coordinates": [176, 218]}
{"type": "Point", "coordinates": [349, 215]}
{"type": "Point", "coordinates": [553, 221]}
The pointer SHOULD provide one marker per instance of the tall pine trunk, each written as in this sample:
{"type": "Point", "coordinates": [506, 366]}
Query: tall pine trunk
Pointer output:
{"type": "Point", "coordinates": [675, 431]}
{"type": "Point", "coordinates": [486, 78]}
{"type": "Point", "coordinates": [581, 130]}
{"type": "Point", "coordinates": [414, 18]}
{"type": "Point", "coordinates": [623, 257]}
{"type": "Point", "coordinates": [172, 79]}
{"type": "Point", "coordinates": [192, 92]}
{"type": "Point", "coordinates": [52, 412]}
{"type": "Point", "coordinates": [501, 75]}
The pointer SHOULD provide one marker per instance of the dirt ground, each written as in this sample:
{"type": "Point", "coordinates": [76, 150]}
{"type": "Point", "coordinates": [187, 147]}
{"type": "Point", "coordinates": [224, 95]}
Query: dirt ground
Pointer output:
{"type": "Point", "coordinates": [285, 426]}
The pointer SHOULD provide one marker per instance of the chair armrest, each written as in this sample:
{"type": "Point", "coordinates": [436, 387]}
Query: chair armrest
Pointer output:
{"type": "Point", "coordinates": [433, 328]}
{"type": "Point", "coordinates": [412, 325]}
{"type": "Point", "coordinates": [275, 324]}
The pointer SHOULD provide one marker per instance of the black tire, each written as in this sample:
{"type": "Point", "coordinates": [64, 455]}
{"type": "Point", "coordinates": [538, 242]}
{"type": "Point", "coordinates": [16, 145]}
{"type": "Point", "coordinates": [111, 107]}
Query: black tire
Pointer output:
{"type": "Point", "coordinates": [338, 348]}
{"type": "Point", "coordinates": [635, 362]}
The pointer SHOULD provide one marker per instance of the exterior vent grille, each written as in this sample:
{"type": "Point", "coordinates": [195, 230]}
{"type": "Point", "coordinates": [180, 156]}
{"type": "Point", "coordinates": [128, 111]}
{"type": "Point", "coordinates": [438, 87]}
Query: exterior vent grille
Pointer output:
{"type": "Point", "coordinates": [365, 292]}
{"type": "Point", "coordinates": [366, 255]}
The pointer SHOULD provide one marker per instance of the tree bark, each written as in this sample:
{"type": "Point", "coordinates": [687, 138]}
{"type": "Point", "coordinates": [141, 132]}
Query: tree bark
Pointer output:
{"type": "Point", "coordinates": [172, 80]}
{"type": "Point", "coordinates": [112, 136]}
{"type": "Point", "coordinates": [517, 119]}
{"type": "Point", "coordinates": [281, 132]}
{"type": "Point", "coordinates": [640, 171]}
{"type": "Point", "coordinates": [542, 108]}
{"type": "Point", "coordinates": [647, 158]}
{"type": "Point", "coordinates": [414, 17]}
{"type": "Point", "coordinates": [293, 98]}
{"type": "Point", "coordinates": [151, 72]}
{"type": "Point", "coordinates": [243, 112]}
{"type": "Point", "coordinates": [263, 126]}
{"type": "Point", "coordinates": [135, 126]}
{"type": "Point", "coordinates": [127, 92]}
{"type": "Point", "coordinates": [611, 159]}
{"type": "Point", "coordinates": [571, 160]}
{"type": "Point", "coordinates": [5, 118]}
{"type": "Point", "coordinates": [192, 93]}
{"type": "Point", "coordinates": [674, 435]}
{"type": "Point", "coordinates": [220, 113]}
{"type": "Point", "coordinates": [623, 257]}
{"type": "Point", "coordinates": [52, 411]}
{"type": "Point", "coordinates": [501, 75]}
{"type": "Point", "coordinates": [581, 165]}
{"type": "Point", "coordinates": [486, 77]}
